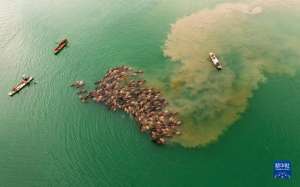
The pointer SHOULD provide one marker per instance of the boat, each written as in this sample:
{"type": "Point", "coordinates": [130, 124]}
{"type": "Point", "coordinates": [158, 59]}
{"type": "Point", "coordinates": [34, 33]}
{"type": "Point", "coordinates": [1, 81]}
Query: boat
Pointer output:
{"type": "Point", "coordinates": [24, 82]}
{"type": "Point", "coordinates": [60, 46]}
{"type": "Point", "coordinates": [215, 61]}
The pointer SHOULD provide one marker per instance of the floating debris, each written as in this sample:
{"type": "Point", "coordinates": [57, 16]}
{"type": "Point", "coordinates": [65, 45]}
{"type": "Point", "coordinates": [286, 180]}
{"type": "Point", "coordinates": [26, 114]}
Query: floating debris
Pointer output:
{"type": "Point", "coordinates": [122, 89]}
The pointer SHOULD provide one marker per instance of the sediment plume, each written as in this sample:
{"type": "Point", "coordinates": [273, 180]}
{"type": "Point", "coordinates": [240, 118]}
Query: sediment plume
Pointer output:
{"type": "Point", "coordinates": [123, 89]}
{"type": "Point", "coordinates": [252, 41]}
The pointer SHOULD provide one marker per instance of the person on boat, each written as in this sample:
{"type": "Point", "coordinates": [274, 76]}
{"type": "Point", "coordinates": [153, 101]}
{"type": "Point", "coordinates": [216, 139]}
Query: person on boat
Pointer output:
{"type": "Point", "coordinates": [25, 78]}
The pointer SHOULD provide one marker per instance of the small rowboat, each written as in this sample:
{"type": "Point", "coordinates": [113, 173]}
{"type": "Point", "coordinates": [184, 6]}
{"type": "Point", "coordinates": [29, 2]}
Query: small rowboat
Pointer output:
{"type": "Point", "coordinates": [215, 61]}
{"type": "Point", "coordinates": [60, 46]}
{"type": "Point", "coordinates": [24, 82]}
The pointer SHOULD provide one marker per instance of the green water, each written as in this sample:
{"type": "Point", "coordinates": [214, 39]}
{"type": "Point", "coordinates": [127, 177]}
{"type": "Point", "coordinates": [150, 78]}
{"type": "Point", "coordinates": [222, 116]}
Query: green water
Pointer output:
{"type": "Point", "coordinates": [48, 138]}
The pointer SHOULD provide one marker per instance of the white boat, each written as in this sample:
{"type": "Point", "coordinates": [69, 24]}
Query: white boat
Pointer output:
{"type": "Point", "coordinates": [215, 61]}
{"type": "Point", "coordinates": [24, 82]}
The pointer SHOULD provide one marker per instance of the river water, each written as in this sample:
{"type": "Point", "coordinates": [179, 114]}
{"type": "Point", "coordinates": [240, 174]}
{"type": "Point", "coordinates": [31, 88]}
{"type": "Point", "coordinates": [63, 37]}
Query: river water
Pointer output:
{"type": "Point", "coordinates": [49, 138]}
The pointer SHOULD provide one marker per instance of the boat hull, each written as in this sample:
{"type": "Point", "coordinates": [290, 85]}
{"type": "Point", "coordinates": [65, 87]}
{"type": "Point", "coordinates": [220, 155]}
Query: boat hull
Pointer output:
{"type": "Point", "coordinates": [20, 86]}
{"type": "Point", "coordinates": [215, 61]}
{"type": "Point", "coordinates": [60, 47]}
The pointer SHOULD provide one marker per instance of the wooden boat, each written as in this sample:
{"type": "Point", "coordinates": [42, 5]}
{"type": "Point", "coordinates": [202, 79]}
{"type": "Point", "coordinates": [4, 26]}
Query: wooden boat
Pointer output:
{"type": "Point", "coordinates": [215, 61]}
{"type": "Point", "coordinates": [24, 82]}
{"type": "Point", "coordinates": [60, 46]}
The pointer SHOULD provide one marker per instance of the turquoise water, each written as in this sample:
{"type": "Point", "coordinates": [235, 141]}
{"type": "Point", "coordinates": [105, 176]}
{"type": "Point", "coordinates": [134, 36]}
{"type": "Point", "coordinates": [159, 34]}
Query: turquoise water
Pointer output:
{"type": "Point", "coordinates": [48, 138]}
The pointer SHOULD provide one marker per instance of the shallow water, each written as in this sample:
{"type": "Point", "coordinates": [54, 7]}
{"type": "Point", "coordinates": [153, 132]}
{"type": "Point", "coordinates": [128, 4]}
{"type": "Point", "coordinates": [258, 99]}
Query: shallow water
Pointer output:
{"type": "Point", "coordinates": [246, 36]}
{"type": "Point", "coordinates": [48, 138]}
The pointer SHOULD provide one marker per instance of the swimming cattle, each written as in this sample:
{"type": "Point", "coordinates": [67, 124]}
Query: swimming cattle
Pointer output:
{"type": "Point", "coordinates": [123, 89]}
